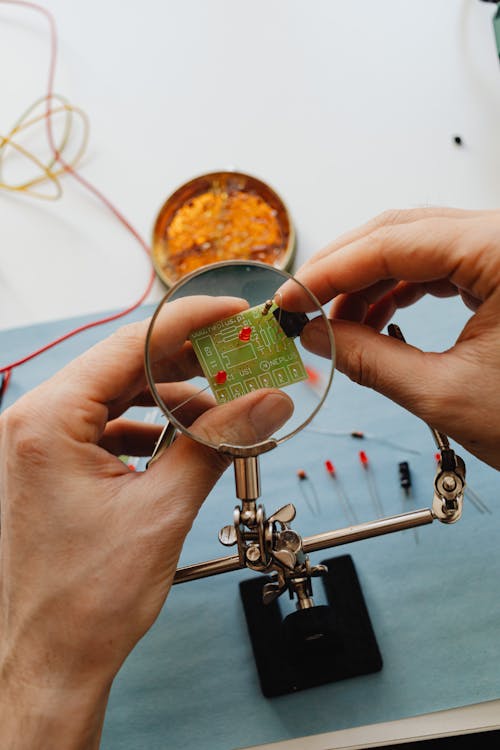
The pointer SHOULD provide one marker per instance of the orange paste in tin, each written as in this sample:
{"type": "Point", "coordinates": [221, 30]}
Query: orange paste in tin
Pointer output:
{"type": "Point", "coordinates": [221, 223]}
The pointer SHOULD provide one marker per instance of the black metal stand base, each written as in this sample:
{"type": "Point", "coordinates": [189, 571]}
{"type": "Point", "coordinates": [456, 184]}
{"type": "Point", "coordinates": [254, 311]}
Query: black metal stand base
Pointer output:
{"type": "Point", "coordinates": [312, 646]}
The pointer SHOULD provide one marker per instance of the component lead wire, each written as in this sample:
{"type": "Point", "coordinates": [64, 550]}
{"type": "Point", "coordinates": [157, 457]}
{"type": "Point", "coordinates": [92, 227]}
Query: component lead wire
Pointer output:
{"type": "Point", "coordinates": [476, 500]}
{"type": "Point", "coordinates": [347, 506]}
{"type": "Point", "coordinates": [372, 488]}
{"type": "Point", "coordinates": [312, 499]}
{"type": "Point", "coordinates": [362, 435]}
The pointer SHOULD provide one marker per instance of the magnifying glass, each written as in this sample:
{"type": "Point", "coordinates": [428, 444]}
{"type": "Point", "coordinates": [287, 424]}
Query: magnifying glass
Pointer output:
{"type": "Point", "coordinates": [230, 357]}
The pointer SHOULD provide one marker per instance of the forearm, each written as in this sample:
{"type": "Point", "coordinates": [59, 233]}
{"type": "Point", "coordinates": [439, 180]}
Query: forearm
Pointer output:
{"type": "Point", "coordinates": [42, 718]}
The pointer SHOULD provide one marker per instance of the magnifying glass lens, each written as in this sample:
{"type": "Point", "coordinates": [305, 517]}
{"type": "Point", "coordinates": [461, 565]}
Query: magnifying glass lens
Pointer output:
{"type": "Point", "coordinates": [220, 340]}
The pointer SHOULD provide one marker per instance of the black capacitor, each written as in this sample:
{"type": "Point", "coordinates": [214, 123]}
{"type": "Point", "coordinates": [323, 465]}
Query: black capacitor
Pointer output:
{"type": "Point", "coordinates": [405, 476]}
{"type": "Point", "coordinates": [292, 323]}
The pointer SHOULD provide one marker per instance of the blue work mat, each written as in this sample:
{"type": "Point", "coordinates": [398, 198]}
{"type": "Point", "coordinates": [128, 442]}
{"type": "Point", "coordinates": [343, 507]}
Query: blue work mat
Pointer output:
{"type": "Point", "coordinates": [433, 595]}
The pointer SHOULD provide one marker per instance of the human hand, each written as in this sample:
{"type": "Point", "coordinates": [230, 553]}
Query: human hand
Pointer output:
{"type": "Point", "coordinates": [390, 263]}
{"type": "Point", "coordinates": [88, 549]}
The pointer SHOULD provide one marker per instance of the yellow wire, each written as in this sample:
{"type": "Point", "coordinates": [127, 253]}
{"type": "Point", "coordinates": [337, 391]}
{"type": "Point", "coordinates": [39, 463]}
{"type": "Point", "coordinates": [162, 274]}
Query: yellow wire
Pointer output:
{"type": "Point", "coordinates": [47, 174]}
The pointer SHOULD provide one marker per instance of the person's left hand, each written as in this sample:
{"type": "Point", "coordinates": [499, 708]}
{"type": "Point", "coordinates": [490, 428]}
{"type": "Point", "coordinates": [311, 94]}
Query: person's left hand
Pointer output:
{"type": "Point", "coordinates": [88, 549]}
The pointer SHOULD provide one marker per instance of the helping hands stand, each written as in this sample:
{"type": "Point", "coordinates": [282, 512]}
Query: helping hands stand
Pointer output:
{"type": "Point", "coordinates": [328, 642]}
{"type": "Point", "coordinates": [268, 544]}
{"type": "Point", "coordinates": [315, 644]}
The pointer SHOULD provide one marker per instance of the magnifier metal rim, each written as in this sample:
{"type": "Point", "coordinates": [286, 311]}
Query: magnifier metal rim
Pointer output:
{"type": "Point", "coordinates": [237, 450]}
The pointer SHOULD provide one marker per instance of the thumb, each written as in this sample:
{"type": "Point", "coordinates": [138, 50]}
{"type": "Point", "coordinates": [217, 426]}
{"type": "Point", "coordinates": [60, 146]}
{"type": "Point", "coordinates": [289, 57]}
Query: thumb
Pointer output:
{"type": "Point", "coordinates": [245, 421]}
{"type": "Point", "coordinates": [189, 470]}
{"type": "Point", "coordinates": [395, 369]}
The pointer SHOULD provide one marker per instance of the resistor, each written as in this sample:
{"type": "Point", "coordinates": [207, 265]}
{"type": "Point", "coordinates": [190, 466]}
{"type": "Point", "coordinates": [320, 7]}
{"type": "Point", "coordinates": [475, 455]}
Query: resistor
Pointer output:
{"type": "Point", "coordinates": [359, 435]}
{"type": "Point", "coordinates": [267, 306]}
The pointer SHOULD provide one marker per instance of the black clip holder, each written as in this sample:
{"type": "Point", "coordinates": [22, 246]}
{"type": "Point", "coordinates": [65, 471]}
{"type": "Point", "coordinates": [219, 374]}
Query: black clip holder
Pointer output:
{"type": "Point", "coordinates": [314, 646]}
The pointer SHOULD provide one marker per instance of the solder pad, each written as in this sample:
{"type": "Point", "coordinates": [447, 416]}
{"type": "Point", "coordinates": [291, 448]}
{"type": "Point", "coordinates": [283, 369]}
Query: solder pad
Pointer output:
{"type": "Point", "coordinates": [268, 360]}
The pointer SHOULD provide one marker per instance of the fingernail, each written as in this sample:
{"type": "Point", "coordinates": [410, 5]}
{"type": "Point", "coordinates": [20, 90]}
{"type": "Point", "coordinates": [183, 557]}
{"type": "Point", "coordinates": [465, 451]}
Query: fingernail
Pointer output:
{"type": "Point", "coordinates": [293, 297]}
{"type": "Point", "coordinates": [285, 289]}
{"type": "Point", "coordinates": [270, 413]}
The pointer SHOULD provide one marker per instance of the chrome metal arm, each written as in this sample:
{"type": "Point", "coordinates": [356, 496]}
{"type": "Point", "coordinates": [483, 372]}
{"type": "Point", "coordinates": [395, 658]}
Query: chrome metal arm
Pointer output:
{"type": "Point", "coordinates": [315, 543]}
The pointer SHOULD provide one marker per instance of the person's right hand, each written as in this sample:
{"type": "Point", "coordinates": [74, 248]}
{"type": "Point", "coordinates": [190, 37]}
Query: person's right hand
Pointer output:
{"type": "Point", "coordinates": [88, 549]}
{"type": "Point", "coordinates": [390, 263]}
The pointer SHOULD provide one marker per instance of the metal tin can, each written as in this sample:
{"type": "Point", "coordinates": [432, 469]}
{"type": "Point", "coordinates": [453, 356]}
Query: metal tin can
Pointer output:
{"type": "Point", "coordinates": [221, 216]}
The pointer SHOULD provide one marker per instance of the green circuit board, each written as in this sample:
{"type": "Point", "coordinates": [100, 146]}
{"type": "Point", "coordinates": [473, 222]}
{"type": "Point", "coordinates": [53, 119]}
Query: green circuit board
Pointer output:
{"type": "Point", "coordinates": [268, 359]}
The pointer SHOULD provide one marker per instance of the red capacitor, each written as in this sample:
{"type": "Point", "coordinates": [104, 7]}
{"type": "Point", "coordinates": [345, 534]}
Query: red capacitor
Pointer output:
{"type": "Point", "coordinates": [437, 456]}
{"type": "Point", "coordinates": [330, 468]}
{"type": "Point", "coordinates": [312, 375]}
{"type": "Point", "coordinates": [221, 377]}
{"type": "Point", "coordinates": [245, 333]}
{"type": "Point", "coordinates": [363, 458]}
{"type": "Point", "coordinates": [301, 474]}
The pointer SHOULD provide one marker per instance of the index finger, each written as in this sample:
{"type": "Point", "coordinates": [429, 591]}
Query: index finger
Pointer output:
{"type": "Point", "coordinates": [395, 216]}
{"type": "Point", "coordinates": [114, 368]}
{"type": "Point", "coordinates": [422, 251]}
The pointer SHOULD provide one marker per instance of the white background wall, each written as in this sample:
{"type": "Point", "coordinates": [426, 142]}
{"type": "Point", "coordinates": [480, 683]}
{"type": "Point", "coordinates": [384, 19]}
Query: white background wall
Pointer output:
{"type": "Point", "coordinates": [345, 107]}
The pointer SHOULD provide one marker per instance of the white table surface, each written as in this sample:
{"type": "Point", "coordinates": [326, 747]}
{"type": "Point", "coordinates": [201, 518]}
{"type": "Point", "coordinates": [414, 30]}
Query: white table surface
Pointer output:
{"type": "Point", "coordinates": [346, 108]}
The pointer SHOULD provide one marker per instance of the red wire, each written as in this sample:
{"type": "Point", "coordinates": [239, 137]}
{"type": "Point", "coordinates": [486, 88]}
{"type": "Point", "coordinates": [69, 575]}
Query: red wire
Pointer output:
{"type": "Point", "coordinates": [4, 385]}
{"type": "Point", "coordinates": [86, 184]}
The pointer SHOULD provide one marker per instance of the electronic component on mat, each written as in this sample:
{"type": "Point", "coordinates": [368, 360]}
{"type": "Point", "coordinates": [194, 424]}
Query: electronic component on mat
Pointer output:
{"type": "Point", "coordinates": [312, 501]}
{"type": "Point", "coordinates": [372, 488]}
{"type": "Point", "coordinates": [405, 484]}
{"type": "Point", "coordinates": [405, 477]}
{"type": "Point", "coordinates": [358, 434]}
{"type": "Point", "coordinates": [248, 351]}
{"type": "Point", "coordinates": [347, 506]}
